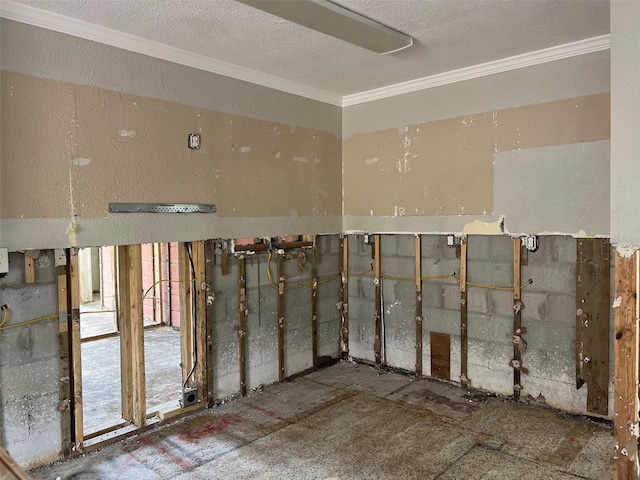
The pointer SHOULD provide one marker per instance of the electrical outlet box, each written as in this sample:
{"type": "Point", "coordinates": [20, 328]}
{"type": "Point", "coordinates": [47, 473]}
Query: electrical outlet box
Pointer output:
{"type": "Point", "coordinates": [60, 256]}
{"type": "Point", "coordinates": [188, 397]}
{"type": "Point", "coordinates": [4, 260]}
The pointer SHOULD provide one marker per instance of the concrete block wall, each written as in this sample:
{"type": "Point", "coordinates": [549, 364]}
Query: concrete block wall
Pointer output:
{"type": "Point", "coordinates": [262, 318]}
{"type": "Point", "coordinates": [30, 365]}
{"type": "Point", "coordinates": [549, 313]}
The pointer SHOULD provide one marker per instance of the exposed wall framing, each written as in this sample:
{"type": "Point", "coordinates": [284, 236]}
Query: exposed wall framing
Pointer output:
{"type": "Point", "coordinates": [377, 344]}
{"type": "Point", "coordinates": [464, 328]}
{"type": "Point", "coordinates": [418, 250]}
{"type": "Point", "coordinates": [343, 297]}
{"type": "Point", "coordinates": [281, 365]}
{"type": "Point", "coordinates": [242, 324]}
{"type": "Point", "coordinates": [76, 352]}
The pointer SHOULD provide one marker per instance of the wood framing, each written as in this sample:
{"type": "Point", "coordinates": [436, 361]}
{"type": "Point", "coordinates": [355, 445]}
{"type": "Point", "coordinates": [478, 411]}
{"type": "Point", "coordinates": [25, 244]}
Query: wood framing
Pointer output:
{"type": "Point", "coordinates": [464, 330]}
{"type": "Point", "coordinates": [186, 314]}
{"type": "Point", "coordinates": [593, 320]}
{"type": "Point", "coordinates": [242, 324]}
{"type": "Point", "coordinates": [625, 417]}
{"type": "Point", "coordinates": [64, 319]}
{"type": "Point", "coordinates": [314, 316]}
{"type": "Point", "coordinates": [377, 344]}
{"type": "Point", "coordinates": [124, 322]}
{"type": "Point", "coordinates": [418, 254]}
{"type": "Point", "coordinates": [29, 268]}
{"type": "Point", "coordinates": [132, 331]}
{"type": "Point", "coordinates": [209, 256]}
{"type": "Point", "coordinates": [200, 372]}
{"type": "Point", "coordinates": [281, 366]}
{"type": "Point", "coordinates": [76, 351]}
{"type": "Point", "coordinates": [517, 317]}
{"type": "Point", "coordinates": [10, 469]}
{"type": "Point", "coordinates": [343, 296]}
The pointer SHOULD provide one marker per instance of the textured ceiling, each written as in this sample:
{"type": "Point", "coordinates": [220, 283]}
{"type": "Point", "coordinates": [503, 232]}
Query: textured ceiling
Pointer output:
{"type": "Point", "coordinates": [448, 34]}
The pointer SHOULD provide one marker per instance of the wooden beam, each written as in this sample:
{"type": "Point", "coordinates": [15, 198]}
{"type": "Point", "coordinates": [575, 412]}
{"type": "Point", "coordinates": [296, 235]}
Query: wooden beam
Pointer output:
{"type": "Point", "coordinates": [29, 268]}
{"type": "Point", "coordinates": [625, 417]}
{"type": "Point", "coordinates": [64, 319]}
{"type": "Point", "coordinates": [200, 372]}
{"type": "Point", "coordinates": [242, 324]}
{"type": "Point", "coordinates": [593, 321]}
{"type": "Point", "coordinates": [76, 350]}
{"type": "Point", "coordinates": [186, 314]}
{"type": "Point", "coordinates": [377, 344]}
{"type": "Point", "coordinates": [464, 330]}
{"type": "Point", "coordinates": [314, 316]}
{"type": "Point", "coordinates": [209, 255]}
{"type": "Point", "coordinates": [281, 366]}
{"type": "Point", "coordinates": [343, 297]}
{"type": "Point", "coordinates": [10, 469]}
{"type": "Point", "coordinates": [517, 317]}
{"type": "Point", "coordinates": [139, 398]}
{"type": "Point", "coordinates": [124, 327]}
{"type": "Point", "coordinates": [418, 254]}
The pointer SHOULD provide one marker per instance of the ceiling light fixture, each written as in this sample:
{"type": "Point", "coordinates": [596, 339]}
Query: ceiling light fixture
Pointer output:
{"type": "Point", "coordinates": [337, 21]}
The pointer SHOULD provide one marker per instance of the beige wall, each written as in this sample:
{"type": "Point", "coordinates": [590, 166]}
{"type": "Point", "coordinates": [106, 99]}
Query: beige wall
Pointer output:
{"type": "Point", "coordinates": [69, 149]}
{"type": "Point", "coordinates": [439, 175]}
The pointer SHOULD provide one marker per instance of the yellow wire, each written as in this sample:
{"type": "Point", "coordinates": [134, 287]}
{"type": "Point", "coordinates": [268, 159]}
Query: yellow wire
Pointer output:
{"type": "Point", "coordinates": [494, 287]}
{"type": "Point", "coordinates": [34, 320]}
{"type": "Point", "coordinates": [5, 316]}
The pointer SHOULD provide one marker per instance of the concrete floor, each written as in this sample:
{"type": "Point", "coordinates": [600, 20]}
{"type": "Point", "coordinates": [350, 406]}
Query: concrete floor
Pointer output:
{"type": "Point", "coordinates": [101, 369]}
{"type": "Point", "coordinates": [354, 422]}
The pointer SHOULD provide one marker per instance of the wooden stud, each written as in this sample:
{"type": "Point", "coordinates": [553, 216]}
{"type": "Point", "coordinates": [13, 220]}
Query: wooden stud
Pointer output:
{"type": "Point", "coordinates": [593, 321]}
{"type": "Point", "coordinates": [10, 469]}
{"type": "Point", "coordinates": [124, 327]}
{"type": "Point", "coordinates": [464, 330]}
{"type": "Point", "coordinates": [314, 316]}
{"type": "Point", "coordinates": [224, 266]}
{"type": "Point", "coordinates": [209, 255]}
{"type": "Point", "coordinates": [29, 268]}
{"type": "Point", "coordinates": [377, 344]}
{"type": "Point", "coordinates": [64, 320]}
{"type": "Point", "coordinates": [186, 313]}
{"type": "Point", "coordinates": [200, 373]}
{"type": "Point", "coordinates": [625, 417]}
{"type": "Point", "coordinates": [76, 351]}
{"type": "Point", "coordinates": [517, 315]}
{"type": "Point", "coordinates": [157, 288]}
{"type": "Point", "coordinates": [343, 296]}
{"type": "Point", "coordinates": [281, 366]}
{"type": "Point", "coordinates": [139, 398]}
{"type": "Point", "coordinates": [418, 252]}
{"type": "Point", "coordinates": [242, 323]}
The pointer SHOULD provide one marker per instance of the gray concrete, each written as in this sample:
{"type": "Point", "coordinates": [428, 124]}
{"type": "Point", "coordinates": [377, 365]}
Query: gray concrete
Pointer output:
{"type": "Point", "coordinates": [554, 189]}
{"type": "Point", "coordinates": [353, 421]}
{"type": "Point", "coordinates": [30, 364]}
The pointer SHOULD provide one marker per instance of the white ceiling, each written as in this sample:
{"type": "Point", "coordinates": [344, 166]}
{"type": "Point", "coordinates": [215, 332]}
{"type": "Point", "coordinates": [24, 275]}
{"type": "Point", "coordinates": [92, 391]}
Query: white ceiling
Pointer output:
{"type": "Point", "coordinates": [448, 35]}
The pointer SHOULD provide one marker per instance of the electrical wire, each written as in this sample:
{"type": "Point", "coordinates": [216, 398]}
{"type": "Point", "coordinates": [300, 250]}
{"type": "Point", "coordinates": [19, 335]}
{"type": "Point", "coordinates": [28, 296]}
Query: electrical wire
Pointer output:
{"type": "Point", "coordinates": [494, 287]}
{"type": "Point", "coordinates": [187, 246]}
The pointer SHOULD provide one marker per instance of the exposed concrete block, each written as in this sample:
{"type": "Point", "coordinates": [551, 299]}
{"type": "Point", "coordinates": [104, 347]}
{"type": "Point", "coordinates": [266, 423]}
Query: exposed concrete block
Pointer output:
{"type": "Point", "coordinates": [561, 308]}
{"type": "Point", "coordinates": [432, 295]}
{"type": "Point", "coordinates": [401, 358]}
{"type": "Point", "coordinates": [451, 296]}
{"type": "Point", "coordinates": [501, 248]}
{"type": "Point", "coordinates": [551, 278]}
{"type": "Point", "coordinates": [404, 267]}
{"type": "Point", "coordinates": [432, 246]}
{"type": "Point", "coordinates": [367, 288]}
{"type": "Point", "coordinates": [406, 246]}
{"type": "Point", "coordinates": [558, 394]}
{"type": "Point", "coordinates": [389, 245]}
{"type": "Point", "coordinates": [535, 306]}
{"type": "Point", "coordinates": [404, 292]}
{"type": "Point", "coordinates": [441, 320]}
{"type": "Point", "coordinates": [487, 379]}
{"type": "Point", "coordinates": [477, 300]}
{"type": "Point", "coordinates": [358, 264]}
{"type": "Point", "coordinates": [479, 247]}
{"type": "Point", "coordinates": [490, 273]}
{"type": "Point", "coordinates": [497, 329]}
{"type": "Point", "coordinates": [500, 302]}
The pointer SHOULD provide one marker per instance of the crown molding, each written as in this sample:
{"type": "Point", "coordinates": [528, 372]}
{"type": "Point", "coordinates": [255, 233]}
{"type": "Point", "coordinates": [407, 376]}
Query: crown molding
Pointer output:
{"type": "Point", "coordinates": [89, 31]}
{"type": "Point", "coordinates": [581, 47]}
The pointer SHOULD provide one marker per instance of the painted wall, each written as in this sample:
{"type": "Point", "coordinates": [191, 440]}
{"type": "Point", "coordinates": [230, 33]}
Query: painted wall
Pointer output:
{"type": "Point", "coordinates": [625, 111]}
{"type": "Point", "coordinates": [439, 159]}
{"type": "Point", "coordinates": [85, 125]}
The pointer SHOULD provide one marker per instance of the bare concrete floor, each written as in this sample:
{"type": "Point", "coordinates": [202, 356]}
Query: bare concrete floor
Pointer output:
{"type": "Point", "coordinates": [353, 421]}
{"type": "Point", "coordinates": [101, 371]}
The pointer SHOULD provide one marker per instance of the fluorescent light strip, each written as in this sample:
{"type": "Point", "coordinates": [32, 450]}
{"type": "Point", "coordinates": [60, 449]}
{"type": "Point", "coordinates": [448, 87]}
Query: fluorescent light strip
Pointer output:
{"type": "Point", "coordinates": [336, 21]}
